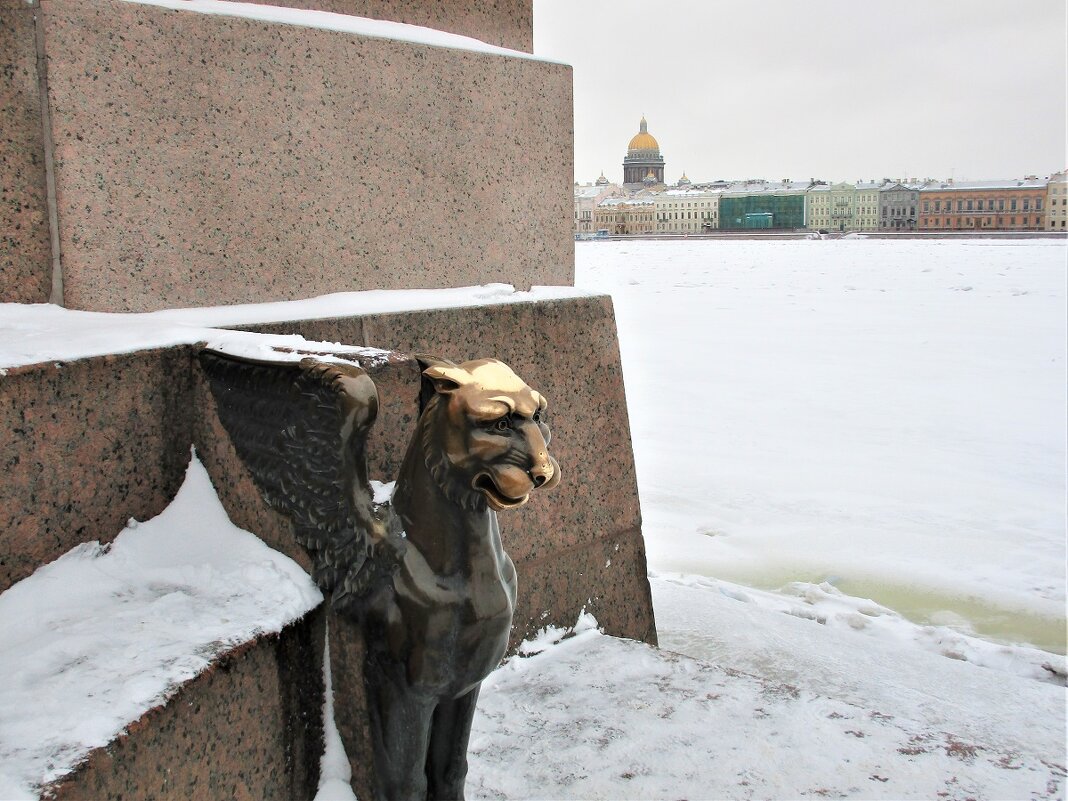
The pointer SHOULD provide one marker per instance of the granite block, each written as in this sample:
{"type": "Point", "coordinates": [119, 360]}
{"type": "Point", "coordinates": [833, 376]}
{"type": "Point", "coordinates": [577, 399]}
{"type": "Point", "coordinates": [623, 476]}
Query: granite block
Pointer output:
{"type": "Point", "coordinates": [567, 350]}
{"type": "Point", "coordinates": [506, 23]}
{"type": "Point", "coordinates": [205, 160]}
{"type": "Point", "coordinates": [606, 578]}
{"type": "Point", "coordinates": [25, 246]}
{"type": "Point", "coordinates": [88, 444]}
{"type": "Point", "coordinates": [249, 727]}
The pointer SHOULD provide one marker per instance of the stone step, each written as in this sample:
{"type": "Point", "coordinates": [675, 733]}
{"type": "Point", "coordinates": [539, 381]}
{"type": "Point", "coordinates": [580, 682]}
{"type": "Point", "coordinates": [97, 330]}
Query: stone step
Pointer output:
{"type": "Point", "coordinates": [202, 159]}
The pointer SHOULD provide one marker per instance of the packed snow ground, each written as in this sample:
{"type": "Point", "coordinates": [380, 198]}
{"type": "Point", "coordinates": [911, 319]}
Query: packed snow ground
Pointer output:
{"type": "Point", "coordinates": [601, 718]}
{"type": "Point", "coordinates": [884, 416]}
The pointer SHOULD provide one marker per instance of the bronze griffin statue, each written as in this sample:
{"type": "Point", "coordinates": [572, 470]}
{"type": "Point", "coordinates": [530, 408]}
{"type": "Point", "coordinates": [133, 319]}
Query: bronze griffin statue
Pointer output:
{"type": "Point", "coordinates": [423, 574]}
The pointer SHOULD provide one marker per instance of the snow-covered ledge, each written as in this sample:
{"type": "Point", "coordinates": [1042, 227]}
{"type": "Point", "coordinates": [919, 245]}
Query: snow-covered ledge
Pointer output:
{"type": "Point", "coordinates": [343, 23]}
{"type": "Point", "coordinates": [103, 634]}
{"type": "Point", "coordinates": [42, 332]}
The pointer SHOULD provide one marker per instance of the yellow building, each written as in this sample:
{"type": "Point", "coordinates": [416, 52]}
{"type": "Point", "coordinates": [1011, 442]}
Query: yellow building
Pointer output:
{"type": "Point", "coordinates": [686, 211]}
{"type": "Point", "coordinates": [621, 215]}
{"type": "Point", "coordinates": [1057, 202]}
{"type": "Point", "coordinates": [866, 206]}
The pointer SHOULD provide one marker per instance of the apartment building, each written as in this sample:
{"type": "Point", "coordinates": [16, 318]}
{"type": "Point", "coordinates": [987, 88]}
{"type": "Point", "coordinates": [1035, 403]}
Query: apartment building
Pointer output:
{"type": "Point", "coordinates": [1013, 205]}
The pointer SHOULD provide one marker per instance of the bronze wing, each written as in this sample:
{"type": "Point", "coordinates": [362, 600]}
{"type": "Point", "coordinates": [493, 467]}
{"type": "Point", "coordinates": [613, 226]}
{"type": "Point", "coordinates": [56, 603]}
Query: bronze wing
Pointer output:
{"type": "Point", "coordinates": [301, 429]}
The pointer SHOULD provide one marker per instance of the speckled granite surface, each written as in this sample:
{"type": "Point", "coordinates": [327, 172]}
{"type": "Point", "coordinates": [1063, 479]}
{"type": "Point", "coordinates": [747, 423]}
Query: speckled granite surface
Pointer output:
{"type": "Point", "coordinates": [86, 446]}
{"type": "Point", "coordinates": [507, 23]}
{"type": "Point", "coordinates": [248, 728]}
{"type": "Point", "coordinates": [25, 249]}
{"type": "Point", "coordinates": [212, 160]}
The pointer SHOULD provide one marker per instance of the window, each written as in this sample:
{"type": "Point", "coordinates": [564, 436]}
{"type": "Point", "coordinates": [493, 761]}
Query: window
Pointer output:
{"type": "Point", "coordinates": [938, 205]}
{"type": "Point", "coordinates": [1038, 204]}
{"type": "Point", "coordinates": [925, 206]}
{"type": "Point", "coordinates": [960, 205]}
{"type": "Point", "coordinates": [990, 205]}
{"type": "Point", "coordinates": [1027, 204]}
{"type": "Point", "coordinates": [969, 205]}
{"type": "Point", "coordinates": [1001, 205]}
{"type": "Point", "coordinates": [1012, 206]}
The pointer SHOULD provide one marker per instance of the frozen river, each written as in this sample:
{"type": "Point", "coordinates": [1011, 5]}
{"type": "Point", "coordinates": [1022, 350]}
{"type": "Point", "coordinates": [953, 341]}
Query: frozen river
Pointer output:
{"type": "Point", "coordinates": [885, 416]}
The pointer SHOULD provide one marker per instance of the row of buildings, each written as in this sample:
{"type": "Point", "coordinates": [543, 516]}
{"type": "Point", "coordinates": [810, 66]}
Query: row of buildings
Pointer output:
{"type": "Point", "coordinates": [643, 204]}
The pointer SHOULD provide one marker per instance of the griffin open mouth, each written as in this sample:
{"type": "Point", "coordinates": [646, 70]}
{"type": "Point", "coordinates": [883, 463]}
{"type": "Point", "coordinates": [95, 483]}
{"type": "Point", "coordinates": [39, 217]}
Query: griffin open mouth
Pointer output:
{"type": "Point", "coordinates": [497, 500]}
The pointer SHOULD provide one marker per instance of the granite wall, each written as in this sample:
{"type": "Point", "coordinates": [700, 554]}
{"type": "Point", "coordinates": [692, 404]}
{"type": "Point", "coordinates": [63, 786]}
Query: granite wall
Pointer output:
{"type": "Point", "coordinates": [87, 445]}
{"type": "Point", "coordinates": [25, 249]}
{"type": "Point", "coordinates": [206, 160]}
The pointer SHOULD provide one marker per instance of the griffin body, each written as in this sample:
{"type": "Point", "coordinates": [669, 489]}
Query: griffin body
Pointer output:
{"type": "Point", "coordinates": [424, 576]}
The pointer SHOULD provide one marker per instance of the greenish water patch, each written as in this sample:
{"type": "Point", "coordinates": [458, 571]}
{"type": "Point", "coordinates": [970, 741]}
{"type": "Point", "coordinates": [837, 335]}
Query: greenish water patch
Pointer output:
{"type": "Point", "coordinates": [921, 605]}
{"type": "Point", "coordinates": [983, 617]}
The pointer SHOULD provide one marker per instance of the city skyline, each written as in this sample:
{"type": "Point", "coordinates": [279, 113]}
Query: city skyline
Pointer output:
{"type": "Point", "coordinates": [832, 90]}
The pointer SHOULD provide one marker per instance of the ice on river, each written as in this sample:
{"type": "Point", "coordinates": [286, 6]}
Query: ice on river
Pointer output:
{"type": "Point", "coordinates": [884, 416]}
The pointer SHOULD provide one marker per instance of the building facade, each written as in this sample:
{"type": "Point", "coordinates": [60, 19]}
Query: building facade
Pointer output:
{"type": "Point", "coordinates": [586, 199]}
{"type": "Point", "coordinates": [831, 207]}
{"type": "Point", "coordinates": [754, 205]}
{"type": "Point", "coordinates": [898, 207]}
{"type": "Point", "coordinates": [1057, 202]}
{"type": "Point", "coordinates": [619, 216]}
{"type": "Point", "coordinates": [867, 206]}
{"type": "Point", "coordinates": [686, 211]}
{"type": "Point", "coordinates": [1018, 205]}
{"type": "Point", "coordinates": [643, 166]}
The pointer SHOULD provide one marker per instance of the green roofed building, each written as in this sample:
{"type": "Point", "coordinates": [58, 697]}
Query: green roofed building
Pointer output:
{"type": "Point", "coordinates": [759, 204]}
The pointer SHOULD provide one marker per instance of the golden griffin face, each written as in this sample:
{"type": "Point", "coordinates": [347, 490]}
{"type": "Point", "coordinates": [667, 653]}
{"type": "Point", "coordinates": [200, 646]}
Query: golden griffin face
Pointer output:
{"type": "Point", "coordinates": [492, 432]}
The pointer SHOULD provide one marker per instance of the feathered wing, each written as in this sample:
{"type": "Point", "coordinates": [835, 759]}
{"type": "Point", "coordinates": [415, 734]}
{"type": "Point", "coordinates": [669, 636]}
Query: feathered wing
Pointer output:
{"type": "Point", "coordinates": [301, 428]}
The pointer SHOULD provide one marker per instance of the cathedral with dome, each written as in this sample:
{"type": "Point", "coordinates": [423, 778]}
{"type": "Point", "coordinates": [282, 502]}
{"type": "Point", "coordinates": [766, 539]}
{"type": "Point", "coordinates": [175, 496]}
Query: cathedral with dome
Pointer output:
{"type": "Point", "coordinates": [643, 165]}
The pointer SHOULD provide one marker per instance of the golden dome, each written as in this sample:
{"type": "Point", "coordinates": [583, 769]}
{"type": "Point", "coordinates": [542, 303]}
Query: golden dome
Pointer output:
{"type": "Point", "coordinates": [643, 140]}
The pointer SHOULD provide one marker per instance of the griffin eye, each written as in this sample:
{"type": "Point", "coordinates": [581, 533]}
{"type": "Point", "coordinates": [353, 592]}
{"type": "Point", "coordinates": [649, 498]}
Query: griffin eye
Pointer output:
{"type": "Point", "coordinates": [503, 424]}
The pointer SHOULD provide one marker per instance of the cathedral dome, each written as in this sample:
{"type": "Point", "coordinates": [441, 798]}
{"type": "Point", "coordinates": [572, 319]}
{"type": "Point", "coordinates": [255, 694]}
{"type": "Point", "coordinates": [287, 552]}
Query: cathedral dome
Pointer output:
{"type": "Point", "coordinates": [643, 140]}
{"type": "Point", "coordinates": [643, 164]}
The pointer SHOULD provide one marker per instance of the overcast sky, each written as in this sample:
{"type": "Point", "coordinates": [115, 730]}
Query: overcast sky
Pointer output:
{"type": "Point", "coordinates": [833, 89]}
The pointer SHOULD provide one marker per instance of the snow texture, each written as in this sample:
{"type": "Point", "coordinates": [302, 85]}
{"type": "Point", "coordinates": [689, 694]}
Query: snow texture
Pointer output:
{"type": "Point", "coordinates": [105, 633]}
{"type": "Point", "coordinates": [595, 717]}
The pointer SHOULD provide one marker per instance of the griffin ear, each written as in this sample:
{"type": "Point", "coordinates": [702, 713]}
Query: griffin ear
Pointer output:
{"type": "Point", "coordinates": [439, 376]}
{"type": "Point", "coordinates": [446, 376]}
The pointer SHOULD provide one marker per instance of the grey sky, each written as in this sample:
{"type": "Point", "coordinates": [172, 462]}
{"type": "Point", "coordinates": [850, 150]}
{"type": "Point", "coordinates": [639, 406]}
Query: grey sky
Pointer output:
{"type": "Point", "coordinates": [833, 89]}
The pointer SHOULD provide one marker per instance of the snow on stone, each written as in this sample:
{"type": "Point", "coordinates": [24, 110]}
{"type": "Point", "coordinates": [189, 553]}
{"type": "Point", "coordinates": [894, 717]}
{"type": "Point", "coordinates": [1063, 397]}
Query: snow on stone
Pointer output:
{"type": "Point", "coordinates": [31, 333]}
{"type": "Point", "coordinates": [325, 20]}
{"type": "Point", "coordinates": [382, 491]}
{"type": "Point", "coordinates": [95, 639]}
